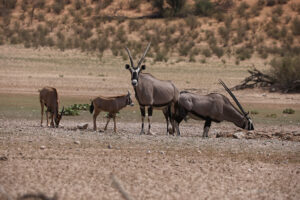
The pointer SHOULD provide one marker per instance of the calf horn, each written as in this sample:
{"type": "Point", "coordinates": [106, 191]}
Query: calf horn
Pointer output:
{"type": "Point", "coordinates": [233, 97]}
{"type": "Point", "coordinates": [143, 57]}
{"type": "Point", "coordinates": [130, 57]}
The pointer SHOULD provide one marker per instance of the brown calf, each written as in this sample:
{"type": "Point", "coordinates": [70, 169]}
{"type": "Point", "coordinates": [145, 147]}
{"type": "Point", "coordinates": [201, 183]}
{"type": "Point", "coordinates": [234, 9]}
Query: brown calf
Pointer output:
{"type": "Point", "coordinates": [112, 105]}
{"type": "Point", "coordinates": [49, 98]}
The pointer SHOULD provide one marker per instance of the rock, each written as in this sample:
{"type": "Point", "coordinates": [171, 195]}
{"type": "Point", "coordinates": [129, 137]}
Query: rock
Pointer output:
{"type": "Point", "coordinates": [162, 152]}
{"type": "Point", "coordinates": [3, 158]}
{"type": "Point", "coordinates": [76, 142]}
{"type": "Point", "coordinates": [42, 147]}
{"type": "Point", "coordinates": [148, 152]}
{"type": "Point", "coordinates": [82, 126]}
{"type": "Point", "coordinates": [239, 135]}
{"type": "Point", "coordinates": [109, 146]}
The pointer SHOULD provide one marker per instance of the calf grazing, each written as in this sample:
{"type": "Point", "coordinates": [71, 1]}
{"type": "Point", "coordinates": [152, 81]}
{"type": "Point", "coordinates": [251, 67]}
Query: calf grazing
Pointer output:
{"type": "Point", "coordinates": [112, 105]}
{"type": "Point", "coordinates": [49, 98]}
{"type": "Point", "coordinates": [212, 107]}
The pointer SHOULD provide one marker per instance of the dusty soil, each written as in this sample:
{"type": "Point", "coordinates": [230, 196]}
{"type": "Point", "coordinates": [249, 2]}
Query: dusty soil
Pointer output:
{"type": "Point", "coordinates": [74, 164]}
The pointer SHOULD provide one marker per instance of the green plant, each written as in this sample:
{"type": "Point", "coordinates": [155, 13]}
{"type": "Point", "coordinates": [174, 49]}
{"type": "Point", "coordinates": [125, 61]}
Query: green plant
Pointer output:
{"type": "Point", "coordinates": [288, 111]}
{"type": "Point", "coordinates": [273, 115]}
{"type": "Point", "coordinates": [70, 112]}
{"type": "Point", "coordinates": [254, 112]}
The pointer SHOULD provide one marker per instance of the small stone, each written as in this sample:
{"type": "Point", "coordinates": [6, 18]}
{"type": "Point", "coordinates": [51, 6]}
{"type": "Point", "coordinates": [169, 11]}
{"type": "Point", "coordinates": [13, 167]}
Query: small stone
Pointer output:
{"type": "Point", "coordinates": [3, 158]}
{"type": "Point", "coordinates": [82, 126]}
{"type": "Point", "coordinates": [148, 152]}
{"type": "Point", "coordinates": [199, 151]}
{"type": "Point", "coordinates": [249, 170]}
{"type": "Point", "coordinates": [109, 146]}
{"type": "Point", "coordinates": [76, 142]}
{"type": "Point", "coordinates": [162, 152]}
{"type": "Point", "coordinates": [42, 147]}
{"type": "Point", "coordinates": [239, 135]}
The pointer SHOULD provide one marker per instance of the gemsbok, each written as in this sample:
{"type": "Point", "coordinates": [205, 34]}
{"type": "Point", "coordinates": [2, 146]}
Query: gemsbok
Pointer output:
{"type": "Point", "coordinates": [112, 105]}
{"type": "Point", "coordinates": [151, 92]}
{"type": "Point", "coordinates": [212, 107]}
{"type": "Point", "coordinates": [49, 98]}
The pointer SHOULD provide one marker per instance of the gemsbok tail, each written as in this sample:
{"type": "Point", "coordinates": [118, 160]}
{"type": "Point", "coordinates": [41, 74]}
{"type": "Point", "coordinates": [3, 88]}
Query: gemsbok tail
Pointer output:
{"type": "Point", "coordinates": [91, 107]}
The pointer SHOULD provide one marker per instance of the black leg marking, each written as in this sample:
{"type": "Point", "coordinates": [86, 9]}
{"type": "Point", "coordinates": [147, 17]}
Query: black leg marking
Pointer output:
{"type": "Point", "coordinates": [206, 127]}
{"type": "Point", "coordinates": [150, 111]}
{"type": "Point", "coordinates": [142, 111]}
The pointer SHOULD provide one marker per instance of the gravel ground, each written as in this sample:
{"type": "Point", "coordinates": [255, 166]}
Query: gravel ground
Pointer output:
{"type": "Point", "coordinates": [66, 163]}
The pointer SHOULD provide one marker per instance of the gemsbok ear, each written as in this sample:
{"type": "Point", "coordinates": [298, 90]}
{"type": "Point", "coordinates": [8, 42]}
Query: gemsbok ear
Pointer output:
{"type": "Point", "coordinates": [143, 67]}
{"type": "Point", "coordinates": [127, 66]}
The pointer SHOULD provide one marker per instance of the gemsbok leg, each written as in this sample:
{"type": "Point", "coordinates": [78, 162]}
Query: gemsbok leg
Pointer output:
{"type": "Point", "coordinates": [143, 118]}
{"type": "Point", "coordinates": [206, 127]}
{"type": "Point", "coordinates": [96, 113]}
{"type": "Point", "coordinates": [115, 125]}
{"type": "Point", "coordinates": [150, 111]}
{"type": "Point", "coordinates": [42, 112]}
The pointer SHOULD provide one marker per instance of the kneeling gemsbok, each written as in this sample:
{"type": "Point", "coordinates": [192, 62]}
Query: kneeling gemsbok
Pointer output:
{"type": "Point", "coordinates": [49, 98]}
{"type": "Point", "coordinates": [212, 107]}
{"type": "Point", "coordinates": [112, 105]}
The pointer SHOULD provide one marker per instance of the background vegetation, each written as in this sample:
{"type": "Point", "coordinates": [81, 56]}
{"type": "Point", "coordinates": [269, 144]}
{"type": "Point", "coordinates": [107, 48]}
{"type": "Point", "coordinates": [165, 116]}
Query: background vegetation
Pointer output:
{"type": "Point", "coordinates": [190, 30]}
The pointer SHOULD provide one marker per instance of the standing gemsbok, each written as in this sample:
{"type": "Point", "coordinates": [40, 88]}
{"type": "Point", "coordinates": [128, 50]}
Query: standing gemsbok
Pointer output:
{"type": "Point", "coordinates": [49, 98]}
{"type": "Point", "coordinates": [212, 107]}
{"type": "Point", "coordinates": [151, 92]}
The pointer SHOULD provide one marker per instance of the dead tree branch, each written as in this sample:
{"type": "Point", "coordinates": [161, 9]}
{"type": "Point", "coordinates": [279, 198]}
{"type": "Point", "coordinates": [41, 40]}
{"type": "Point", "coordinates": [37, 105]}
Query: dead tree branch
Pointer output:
{"type": "Point", "coordinates": [256, 79]}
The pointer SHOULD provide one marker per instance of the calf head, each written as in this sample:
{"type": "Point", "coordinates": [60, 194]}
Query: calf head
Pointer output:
{"type": "Point", "coordinates": [129, 100]}
{"type": "Point", "coordinates": [58, 117]}
{"type": "Point", "coordinates": [135, 71]}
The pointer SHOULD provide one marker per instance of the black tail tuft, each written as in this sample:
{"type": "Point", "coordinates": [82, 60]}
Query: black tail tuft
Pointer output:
{"type": "Point", "coordinates": [91, 107]}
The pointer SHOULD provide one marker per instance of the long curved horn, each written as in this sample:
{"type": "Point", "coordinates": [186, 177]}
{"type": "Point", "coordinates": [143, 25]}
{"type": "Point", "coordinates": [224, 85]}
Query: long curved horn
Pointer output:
{"type": "Point", "coordinates": [143, 57]}
{"type": "Point", "coordinates": [233, 97]}
{"type": "Point", "coordinates": [130, 57]}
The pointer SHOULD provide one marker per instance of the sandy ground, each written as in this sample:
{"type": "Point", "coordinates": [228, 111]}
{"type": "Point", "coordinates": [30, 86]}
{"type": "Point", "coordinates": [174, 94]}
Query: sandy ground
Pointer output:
{"type": "Point", "coordinates": [83, 164]}
{"type": "Point", "coordinates": [66, 163]}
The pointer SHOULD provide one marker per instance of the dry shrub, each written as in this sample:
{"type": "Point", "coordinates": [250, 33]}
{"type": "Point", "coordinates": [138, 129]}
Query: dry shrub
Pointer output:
{"type": "Point", "coordinates": [192, 22]}
{"type": "Point", "coordinates": [286, 70]}
{"type": "Point", "coordinates": [241, 9]}
{"type": "Point", "coordinates": [295, 26]}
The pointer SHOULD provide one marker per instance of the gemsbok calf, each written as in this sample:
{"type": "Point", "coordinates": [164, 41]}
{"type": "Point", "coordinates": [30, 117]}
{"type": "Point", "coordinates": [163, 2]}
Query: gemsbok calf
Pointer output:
{"type": "Point", "coordinates": [212, 107]}
{"type": "Point", "coordinates": [151, 92]}
{"type": "Point", "coordinates": [112, 105]}
{"type": "Point", "coordinates": [49, 98]}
